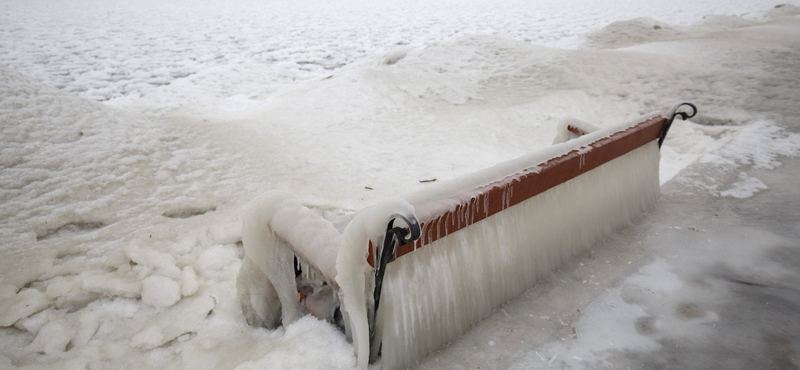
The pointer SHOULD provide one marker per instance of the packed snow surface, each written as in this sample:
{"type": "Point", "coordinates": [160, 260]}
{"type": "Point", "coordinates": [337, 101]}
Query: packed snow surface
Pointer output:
{"type": "Point", "coordinates": [133, 134]}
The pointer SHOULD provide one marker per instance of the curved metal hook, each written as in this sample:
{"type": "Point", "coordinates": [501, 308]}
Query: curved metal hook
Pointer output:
{"type": "Point", "coordinates": [413, 226]}
{"type": "Point", "coordinates": [395, 236]}
{"type": "Point", "coordinates": [672, 113]}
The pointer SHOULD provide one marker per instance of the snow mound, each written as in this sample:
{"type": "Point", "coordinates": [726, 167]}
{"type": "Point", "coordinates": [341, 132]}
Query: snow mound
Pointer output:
{"type": "Point", "coordinates": [717, 22]}
{"type": "Point", "coordinates": [631, 32]}
{"type": "Point", "coordinates": [783, 10]}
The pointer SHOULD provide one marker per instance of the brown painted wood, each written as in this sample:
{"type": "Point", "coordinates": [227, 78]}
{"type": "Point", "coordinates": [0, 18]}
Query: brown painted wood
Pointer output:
{"type": "Point", "coordinates": [575, 130]}
{"type": "Point", "coordinates": [533, 181]}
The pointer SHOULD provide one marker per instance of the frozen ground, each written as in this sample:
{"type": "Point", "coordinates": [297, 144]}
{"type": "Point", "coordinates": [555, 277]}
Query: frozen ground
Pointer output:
{"type": "Point", "coordinates": [120, 220]}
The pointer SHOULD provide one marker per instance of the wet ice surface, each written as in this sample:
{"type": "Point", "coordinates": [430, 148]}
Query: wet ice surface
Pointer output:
{"type": "Point", "coordinates": [120, 229]}
{"type": "Point", "coordinates": [700, 282]}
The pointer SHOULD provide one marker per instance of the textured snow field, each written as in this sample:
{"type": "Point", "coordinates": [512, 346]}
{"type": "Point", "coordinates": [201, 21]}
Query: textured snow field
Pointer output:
{"type": "Point", "coordinates": [158, 55]}
{"type": "Point", "coordinates": [134, 133]}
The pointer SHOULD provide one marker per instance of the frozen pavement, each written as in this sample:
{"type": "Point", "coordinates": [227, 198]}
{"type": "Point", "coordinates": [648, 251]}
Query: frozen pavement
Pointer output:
{"type": "Point", "coordinates": [701, 282]}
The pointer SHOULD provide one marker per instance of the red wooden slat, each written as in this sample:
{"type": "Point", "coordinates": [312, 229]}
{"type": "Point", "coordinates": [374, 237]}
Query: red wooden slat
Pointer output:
{"type": "Point", "coordinates": [521, 187]}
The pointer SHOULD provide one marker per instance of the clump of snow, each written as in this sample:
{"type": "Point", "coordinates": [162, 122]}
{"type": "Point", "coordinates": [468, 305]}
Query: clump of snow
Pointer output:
{"type": "Point", "coordinates": [745, 187]}
{"type": "Point", "coordinates": [783, 10]}
{"type": "Point", "coordinates": [149, 338]}
{"type": "Point", "coordinates": [152, 260]}
{"type": "Point", "coordinates": [53, 337]}
{"type": "Point", "coordinates": [631, 32]}
{"type": "Point", "coordinates": [216, 258]}
{"type": "Point", "coordinates": [188, 281]}
{"type": "Point", "coordinates": [758, 145]}
{"type": "Point", "coordinates": [160, 291]}
{"type": "Point", "coordinates": [717, 22]}
{"type": "Point", "coordinates": [110, 285]}
{"type": "Point", "coordinates": [21, 305]}
{"type": "Point", "coordinates": [184, 318]}
{"type": "Point", "coordinates": [394, 56]}
{"type": "Point", "coordinates": [318, 343]}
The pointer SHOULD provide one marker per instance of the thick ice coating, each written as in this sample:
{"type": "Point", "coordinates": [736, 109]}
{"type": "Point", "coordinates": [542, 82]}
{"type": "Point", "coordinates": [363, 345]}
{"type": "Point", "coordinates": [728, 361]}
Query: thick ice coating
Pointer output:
{"type": "Point", "coordinates": [438, 292]}
{"type": "Point", "coordinates": [276, 228]}
{"type": "Point", "coordinates": [355, 277]}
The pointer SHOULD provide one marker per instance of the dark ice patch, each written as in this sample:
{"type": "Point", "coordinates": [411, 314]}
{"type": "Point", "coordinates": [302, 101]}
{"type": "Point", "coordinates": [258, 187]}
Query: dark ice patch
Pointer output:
{"type": "Point", "coordinates": [70, 229]}
{"type": "Point", "coordinates": [188, 212]}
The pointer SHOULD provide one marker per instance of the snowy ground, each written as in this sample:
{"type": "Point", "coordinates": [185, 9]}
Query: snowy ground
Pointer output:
{"type": "Point", "coordinates": [133, 135]}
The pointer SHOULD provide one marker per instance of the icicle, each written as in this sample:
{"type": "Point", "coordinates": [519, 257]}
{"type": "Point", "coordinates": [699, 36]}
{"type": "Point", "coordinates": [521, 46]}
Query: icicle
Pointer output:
{"type": "Point", "coordinates": [486, 205]}
{"type": "Point", "coordinates": [355, 277]}
{"type": "Point", "coordinates": [436, 293]}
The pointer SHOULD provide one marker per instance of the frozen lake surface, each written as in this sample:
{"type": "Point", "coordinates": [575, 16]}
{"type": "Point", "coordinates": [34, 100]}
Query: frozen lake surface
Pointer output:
{"type": "Point", "coordinates": [108, 50]}
{"type": "Point", "coordinates": [133, 134]}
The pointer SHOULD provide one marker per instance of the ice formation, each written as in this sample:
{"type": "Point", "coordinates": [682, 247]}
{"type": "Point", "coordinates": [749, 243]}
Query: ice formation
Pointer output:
{"type": "Point", "coordinates": [276, 230]}
{"type": "Point", "coordinates": [355, 277]}
{"type": "Point", "coordinates": [458, 278]}
{"type": "Point", "coordinates": [440, 290]}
